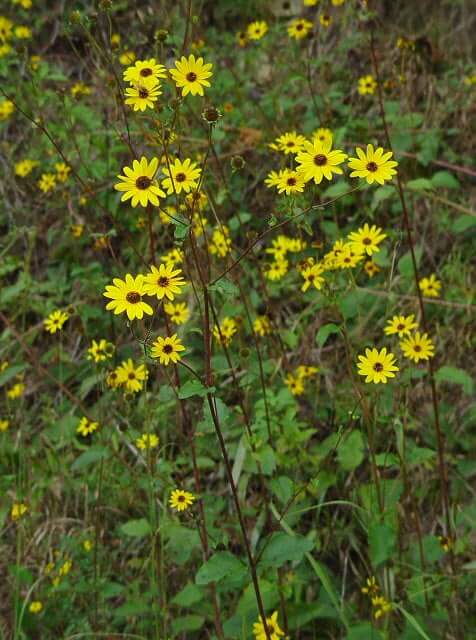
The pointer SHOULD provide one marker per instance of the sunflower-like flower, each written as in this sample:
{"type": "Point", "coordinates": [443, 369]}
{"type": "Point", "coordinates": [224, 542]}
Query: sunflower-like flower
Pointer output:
{"type": "Point", "coordinates": [191, 75]}
{"type": "Point", "coordinates": [181, 500]}
{"type": "Point", "coordinates": [430, 287]}
{"type": "Point", "coordinates": [274, 178]}
{"type": "Point", "coordinates": [401, 325]}
{"type": "Point", "coordinates": [18, 510]}
{"type": "Point", "coordinates": [299, 28]}
{"type": "Point", "coordinates": [167, 349]}
{"type": "Point", "coordinates": [262, 326]}
{"type": "Point", "coordinates": [130, 376]}
{"type": "Point", "coordinates": [367, 85]}
{"type": "Point", "coordinates": [220, 243]}
{"type": "Point", "coordinates": [163, 282]}
{"type": "Point", "coordinates": [377, 366]}
{"type": "Point", "coordinates": [126, 295]}
{"type": "Point", "coordinates": [273, 627]}
{"type": "Point", "coordinates": [143, 69]}
{"type": "Point", "coordinates": [178, 313]}
{"type": "Point", "coordinates": [181, 176]}
{"type": "Point", "coordinates": [55, 321]}
{"type": "Point", "coordinates": [139, 183]}
{"type": "Point", "coordinates": [418, 347]}
{"type": "Point", "coordinates": [100, 351]}
{"type": "Point", "coordinates": [143, 93]}
{"type": "Point", "coordinates": [256, 30]}
{"type": "Point", "coordinates": [322, 135]}
{"type": "Point", "coordinates": [325, 19]}
{"type": "Point", "coordinates": [312, 276]}
{"type": "Point", "coordinates": [291, 182]}
{"type": "Point", "coordinates": [366, 239]}
{"type": "Point", "coordinates": [86, 426]}
{"type": "Point", "coordinates": [373, 165]}
{"type": "Point", "coordinates": [348, 258]}
{"type": "Point", "coordinates": [147, 441]}
{"type": "Point", "coordinates": [318, 161]}
{"type": "Point", "coordinates": [224, 332]}
{"type": "Point", "coordinates": [290, 142]}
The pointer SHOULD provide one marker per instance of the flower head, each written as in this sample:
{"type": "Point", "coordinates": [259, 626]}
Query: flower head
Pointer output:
{"type": "Point", "coordinates": [191, 75]}
{"type": "Point", "coordinates": [4, 424]}
{"type": "Point", "coordinates": [47, 182]}
{"type": "Point", "coordinates": [16, 391]}
{"type": "Point", "coordinates": [126, 295]}
{"type": "Point", "coordinates": [167, 349]}
{"type": "Point", "coordinates": [139, 183]}
{"type": "Point", "coordinates": [377, 366]}
{"type": "Point", "coordinates": [18, 510]}
{"type": "Point", "coordinates": [418, 347]}
{"type": "Point", "coordinates": [430, 287]}
{"type": "Point", "coordinates": [312, 276]}
{"type": "Point", "coordinates": [144, 69]}
{"type": "Point", "coordinates": [143, 93]}
{"type": "Point", "coordinates": [295, 384]}
{"type": "Point", "coordinates": [262, 326]}
{"type": "Point", "coordinates": [178, 312]}
{"type": "Point", "coordinates": [256, 30]}
{"type": "Point", "coordinates": [35, 607]}
{"type": "Point", "coordinates": [163, 282]}
{"type": "Point", "coordinates": [401, 325]}
{"type": "Point", "coordinates": [366, 239]}
{"type": "Point", "coordinates": [130, 376]}
{"type": "Point", "coordinates": [291, 182]}
{"type": "Point", "coordinates": [55, 321]}
{"type": "Point", "coordinates": [371, 268]}
{"type": "Point", "coordinates": [220, 243]}
{"type": "Point", "coordinates": [322, 135]}
{"type": "Point", "coordinates": [290, 142]}
{"type": "Point", "coordinates": [86, 426]}
{"type": "Point", "coordinates": [24, 167]}
{"type": "Point", "coordinates": [273, 627]}
{"type": "Point", "coordinates": [62, 171]}
{"type": "Point", "coordinates": [318, 161]}
{"type": "Point", "coordinates": [147, 441]}
{"type": "Point", "coordinates": [181, 176]}
{"type": "Point", "coordinates": [181, 500]}
{"type": "Point", "coordinates": [325, 19]}
{"type": "Point", "coordinates": [373, 165]}
{"type": "Point", "coordinates": [100, 351]}
{"type": "Point", "coordinates": [299, 28]}
{"type": "Point", "coordinates": [367, 85]}
{"type": "Point", "coordinates": [224, 332]}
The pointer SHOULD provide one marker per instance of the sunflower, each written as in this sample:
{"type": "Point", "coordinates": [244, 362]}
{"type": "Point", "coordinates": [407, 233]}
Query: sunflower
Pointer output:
{"type": "Point", "coordinates": [317, 161]}
{"type": "Point", "coordinates": [55, 321]}
{"type": "Point", "coordinates": [127, 296]}
{"type": "Point", "coordinates": [164, 281]}
{"type": "Point", "coordinates": [241, 38]}
{"type": "Point", "coordinates": [325, 19]}
{"type": "Point", "coordinates": [276, 270]}
{"type": "Point", "coordinates": [401, 325]}
{"type": "Point", "coordinates": [274, 178]}
{"type": "Point", "coordinates": [138, 183]}
{"type": "Point", "coordinates": [220, 243]}
{"type": "Point", "coordinates": [366, 239]}
{"type": "Point", "coordinates": [224, 332]}
{"type": "Point", "coordinates": [99, 351]}
{"type": "Point", "coordinates": [181, 500]}
{"type": "Point", "coordinates": [262, 326]}
{"type": "Point", "coordinates": [418, 347]}
{"type": "Point", "coordinates": [367, 85]}
{"type": "Point", "coordinates": [256, 30]}
{"type": "Point", "coordinates": [322, 135]}
{"type": "Point", "coordinates": [181, 176]}
{"type": "Point", "coordinates": [290, 142]}
{"type": "Point", "coordinates": [191, 75]}
{"type": "Point", "coordinates": [373, 165]}
{"type": "Point", "coordinates": [273, 627]}
{"type": "Point", "coordinates": [348, 258]}
{"type": "Point", "coordinates": [47, 182]}
{"type": "Point", "coordinates": [24, 167]}
{"type": "Point", "coordinates": [167, 349]}
{"type": "Point", "coordinates": [312, 276]}
{"type": "Point", "coordinates": [430, 287]}
{"type": "Point", "coordinates": [131, 377]}
{"type": "Point", "coordinates": [377, 366]}
{"type": "Point", "coordinates": [143, 69]}
{"type": "Point", "coordinates": [147, 441]}
{"type": "Point", "coordinates": [371, 268]}
{"type": "Point", "coordinates": [299, 28]}
{"type": "Point", "coordinates": [178, 313]}
{"type": "Point", "coordinates": [86, 426]}
{"type": "Point", "coordinates": [143, 93]}
{"type": "Point", "coordinates": [18, 510]}
{"type": "Point", "coordinates": [291, 182]}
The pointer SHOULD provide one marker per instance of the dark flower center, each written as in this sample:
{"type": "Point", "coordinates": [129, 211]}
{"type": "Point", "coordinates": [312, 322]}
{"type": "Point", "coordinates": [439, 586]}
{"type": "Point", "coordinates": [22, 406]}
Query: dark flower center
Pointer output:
{"type": "Point", "coordinates": [163, 282]}
{"type": "Point", "coordinates": [378, 366]}
{"type": "Point", "coordinates": [131, 376]}
{"type": "Point", "coordinates": [168, 348]}
{"type": "Point", "coordinates": [291, 182]}
{"type": "Point", "coordinates": [320, 160]}
{"type": "Point", "coordinates": [299, 27]}
{"type": "Point", "coordinates": [400, 327]}
{"type": "Point", "coordinates": [181, 498]}
{"type": "Point", "coordinates": [367, 241]}
{"type": "Point", "coordinates": [290, 144]}
{"type": "Point", "coordinates": [143, 182]}
{"type": "Point", "coordinates": [143, 93]}
{"type": "Point", "coordinates": [133, 297]}
{"type": "Point", "coordinates": [191, 76]}
{"type": "Point", "coordinates": [417, 348]}
{"type": "Point", "coordinates": [146, 72]}
{"type": "Point", "coordinates": [180, 177]}
{"type": "Point", "coordinates": [311, 277]}
{"type": "Point", "coordinates": [372, 166]}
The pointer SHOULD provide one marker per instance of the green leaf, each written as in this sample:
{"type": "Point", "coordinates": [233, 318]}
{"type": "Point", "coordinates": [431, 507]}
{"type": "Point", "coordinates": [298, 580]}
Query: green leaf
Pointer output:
{"type": "Point", "coordinates": [193, 388]}
{"type": "Point", "coordinates": [281, 548]}
{"type": "Point", "coordinates": [350, 452]}
{"type": "Point", "coordinates": [189, 595]}
{"type": "Point", "coordinates": [405, 264]}
{"type": "Point", "coordinates": [10, 373]}
{"type": "Point", "coordinates": [420, 184]}
{"type": "Point", "coordinates": [226, 287]}
{"type": "Point", "coordinates": [444, 179]}
{"type": "Point", "coordinates": [136, 528]}
{"type": "Point", "coordinates": [218, 566]}
{"type": "Point", "coordinates": [187, 623]}
{"type": "Point", "coordinates": [382, 540]}
{"type": "Point", "coordinates": [455, 376]}
{"type": "Point", "coordinates": [282, 488]}
{"type": "Point", "coordinates": [90, 457]}
{"type": "Point", "coordinates": [325, 331]}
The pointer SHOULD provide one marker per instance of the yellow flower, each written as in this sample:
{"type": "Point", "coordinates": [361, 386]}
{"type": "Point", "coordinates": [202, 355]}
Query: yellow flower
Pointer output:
{"type": "Point", "coordinates": [470, 80]}
{"type": "Point", "coordinates": [371, 268]}
{"type": "Point", "coordinates": [22, 33]}
{"type": "Point", "coordinates": [86, 426]}
{"type": "Point", "coordinates": [274, 178]}
{"type": "Point", "coordinates": [191, 75]}
{"type": "Point", "coordinates": [291, 182]}
{"type": "Point", "coordinates": [373, 165]}
{"type": "Point", "coordinates": [430, 287]}
{"type": "Point", "coordinates": [337, 3]}
{"type": "Point", "coordinates": [220, 243]}
{"type": "Point", "coordinates": [24, 167]}
{"type": "Point", "coordinates": [62, 171]}
{"type": "Point", "coordinates": [418, 347]}
{"type": "Point", "coordinates": [115, 40]}
{"type": "Point", "coordinates": [178, 313]}
{"type": "Point", "coordinates": [127, 296]}
{"type": "Point", "coordinates": [224, 332]}
{"type": "Point", "coordinates": [163, 282]}
{"type": "Point", "coordinates": [181, 500]}
{"type": "Point", "coordinates": [181, 176]}
{"type": "Point", "coordinates": [131, 377]}
{"type": "Point", "coordinates": [18, 510]}
{"type": "Point", "coordinates": [6, 27]}
{"type": "Point", "coordinates": [34, 62]}
{"type": "Point", "coordinates": [322, 135]}
{"type": "Point", "coordinates": [366, 239]}
{"type": "Point", "coordinates": [377, 366]}
{"type": "Point", "coordinates": [312, 276]}
{"type": "Point", "coordinates": [77, 230]}
{"type": "Point", "coordinates": [143, 93]}
{"type": "Point", "coordinates": [325, 19]}
{"type": "Point", "coordinates": [26, 4]}
{"type": "Point", "coordinates": [16, 391]}
{"type": "Point", "coordinates": [88, 545]}
{"type": "Point", "coordinates": [381, 606]}
{"type": "Point", "coordinates": [139, 184]}
{"type": "Point", "coordinates": [295, 384]}
{"type": "Point", "coordinates": [367, 85]}
{"type": "Point", "coordinates": [47, 182]}
{"type": "Point", "coordinates": [80, 89]}
{"type": "Point", "coordinates": [4, 50]}
{"type": "Point", "coordinates": [256, 30]}
{"type": "Point", "coordinates": [241, 38]}
{"type": "Point", "coordinates": [262, 326]}
{"type": "Point", "coordinates": [4, 424]}
{"type": "Point", "coordinates": [99, 351]}
{"type": "Point", "coordinates": [65, 568]}
{"type": "Point", "coordinates": [276, 270]}
{"type": "Point", "coordinates": [147, 441]}
{"type": "Point", "coordinates": [167, 349]}
{"type": "Point", "coordinates": [4, 364]}
{"type": "Point", "coordinates": [127, 58]}
{"type": "Point", "coordinates": [112, 379]}
{"type": "Point", "coordinates": [310, 3]}
{"type": "Point", "coordinates": [197, 200]}
{"type": "Point", "coordinates": [273, 627]}
{"type": "Point", "coordinates": [35, 607]}
{"type": "Point", "coordinates": [317, 161]}
{"type": "Point", "coordinates": [401, 325]}
{"type": "Point", "coordinates": [55, 321]}
{"type": "Point", "coordinates": [371, 587]}
{"type": "Point", "coordinates": [290, 142]}
{"type": "Point", "coordinates": [306, 371]}
{"type": "Point", "coordinates": [173, 257]}
{"type": "Point", "coordinates": [299, 28]}
{"type": "Point", "coordinates": [144, 69]}
{"type": "Point", "coordinates": [348, 257]}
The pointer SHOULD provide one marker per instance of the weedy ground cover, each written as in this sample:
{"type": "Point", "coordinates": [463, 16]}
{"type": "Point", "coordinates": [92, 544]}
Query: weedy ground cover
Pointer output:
{"type": "Point", "coordinates": [237, 304]}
